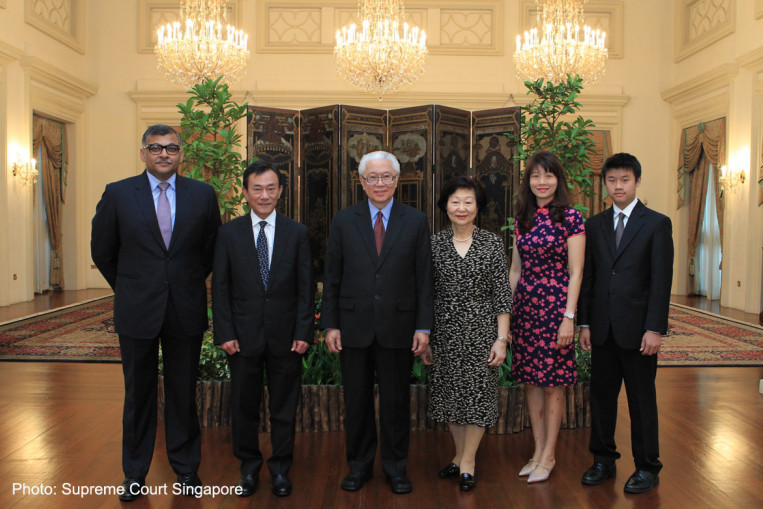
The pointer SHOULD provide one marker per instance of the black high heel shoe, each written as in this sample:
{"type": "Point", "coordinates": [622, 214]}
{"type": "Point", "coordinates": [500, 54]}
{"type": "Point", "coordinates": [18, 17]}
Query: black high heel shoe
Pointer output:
{"type": "Point", "coordinates": [467, 482]}
{"type": "Point", "coordinates": [451, 470]}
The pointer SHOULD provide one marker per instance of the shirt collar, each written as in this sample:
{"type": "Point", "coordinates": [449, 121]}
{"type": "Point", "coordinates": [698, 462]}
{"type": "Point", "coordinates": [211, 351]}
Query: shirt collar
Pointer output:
{"type": "Point", "coordinates": [627, 210]}
{"type": "Point", "coordinates": [154, 182]}
{"type": "Point", "coordinates": [271, 219]}
{"type": "Point", "coordinates": [385, 210]}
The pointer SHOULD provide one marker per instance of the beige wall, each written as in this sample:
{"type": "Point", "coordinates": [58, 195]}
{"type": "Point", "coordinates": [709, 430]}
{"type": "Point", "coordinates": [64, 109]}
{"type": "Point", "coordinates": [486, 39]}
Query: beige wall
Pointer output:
{"type": "Point", "coordinates": [112, 91]}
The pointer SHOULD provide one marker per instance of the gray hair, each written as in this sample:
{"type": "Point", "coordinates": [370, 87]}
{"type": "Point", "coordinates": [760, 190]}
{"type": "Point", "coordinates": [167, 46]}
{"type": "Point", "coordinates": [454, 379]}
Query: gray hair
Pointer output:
{"type": "Point", "coordinates": [379, 154]}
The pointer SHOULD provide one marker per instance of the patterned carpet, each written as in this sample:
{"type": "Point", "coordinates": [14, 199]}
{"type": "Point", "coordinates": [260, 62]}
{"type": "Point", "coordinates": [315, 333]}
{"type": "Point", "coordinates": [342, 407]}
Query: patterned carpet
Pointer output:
{"type": "Point", "coordinates": [85, 333]}
{"type": "Point", "coordinates": [701, 338]}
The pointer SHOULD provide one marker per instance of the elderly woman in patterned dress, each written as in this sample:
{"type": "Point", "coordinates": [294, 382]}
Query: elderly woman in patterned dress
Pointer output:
{"type": "Point", "coordinates": [546, 274]}
{"type": "Point", "coordinates": [468, 344]}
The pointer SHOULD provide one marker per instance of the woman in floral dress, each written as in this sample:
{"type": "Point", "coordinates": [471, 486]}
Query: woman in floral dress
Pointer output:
{"type": "Point", "coordinates": [546, 273]}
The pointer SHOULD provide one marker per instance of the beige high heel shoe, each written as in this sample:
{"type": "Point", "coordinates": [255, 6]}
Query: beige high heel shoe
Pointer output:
{"type": "Point", "coordinates": [536, 476]}
{"type": "Point", "coordinates": [527, 469]}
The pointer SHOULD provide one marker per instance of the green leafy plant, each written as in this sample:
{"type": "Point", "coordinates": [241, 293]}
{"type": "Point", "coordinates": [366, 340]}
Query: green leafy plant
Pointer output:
{"type": "Point", "coordinates": [551, 122]}
{"type": "Point", "coordinates": [584, 363]}
{"type": "Point", "coordinates": [420, 372]}
{"type": "Point", "coordinates": [319, 366]}
{"type": "Point", "coordinates": [210, 142]}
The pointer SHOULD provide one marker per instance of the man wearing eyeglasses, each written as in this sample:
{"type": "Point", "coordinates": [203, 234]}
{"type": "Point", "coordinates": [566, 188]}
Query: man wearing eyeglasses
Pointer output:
{"type": "Point", "coordinates": [378, 311]}
{"type": "Point", "coordinates": [153, 238]}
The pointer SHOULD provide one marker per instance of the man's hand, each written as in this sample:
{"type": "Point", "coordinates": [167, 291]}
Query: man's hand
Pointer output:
{"type": "Point", "coordinates": [427, 358]}
{"type": "Point", "coordinates": [420, 342]}
{"type": "Point", "coordinates": [650, 343]}
{"type": "Point", "coordinates": [334, 340]}
{"type": "Point", "coordinates": [230, 347]}
{"type": "Point", "coordinates": [497, 354]}
{"type": "Point", "coordinates": [566, 333]}
{"type": "Point", "coordinates": [299, 346]}
{"type": "Point", "coordinates": [585, 338]}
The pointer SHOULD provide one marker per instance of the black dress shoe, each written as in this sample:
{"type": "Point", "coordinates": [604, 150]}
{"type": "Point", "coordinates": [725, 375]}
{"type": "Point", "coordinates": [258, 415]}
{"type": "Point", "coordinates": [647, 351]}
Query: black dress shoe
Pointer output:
{"type": "Point", "coordinates": [451, 470]}
{"type": "Point", "coordinates": [354, 480]}
{"type": "Point", "coordinates": [467, 482]}
{"type": "Point", "coordinates": [400, 484]}
{"type": "Point", "coordinates": [598, 473]}
{"type": "Point", "coordinates": [281, 486]}
{"type": "Point", "coordinates": [131, 489]}
{"type": "Point", "coordinates": [188, 483]}
{"type": "Point", "coordinates": [247, 485]}
{"type": "Point", "coordinates": [641, 481]}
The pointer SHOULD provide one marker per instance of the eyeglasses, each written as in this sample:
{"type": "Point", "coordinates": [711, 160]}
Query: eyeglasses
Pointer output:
{"type": "Point", "coordinates": [385, 180]}
{"type": "Point", "coordinates": [156, 149]}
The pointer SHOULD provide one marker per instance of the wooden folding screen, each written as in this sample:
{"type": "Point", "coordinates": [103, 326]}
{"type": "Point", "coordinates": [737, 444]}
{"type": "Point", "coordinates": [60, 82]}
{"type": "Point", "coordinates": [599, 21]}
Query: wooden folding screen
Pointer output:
{"type": "Point", "coordinates": [318, 151]}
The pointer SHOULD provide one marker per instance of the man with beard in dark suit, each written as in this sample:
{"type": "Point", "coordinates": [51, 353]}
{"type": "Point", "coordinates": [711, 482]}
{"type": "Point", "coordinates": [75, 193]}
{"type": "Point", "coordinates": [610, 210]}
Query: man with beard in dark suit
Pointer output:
{"type": "Point", "coordinates": [623, 313]}
{"type": "Point", "coordinates": [153, 238]}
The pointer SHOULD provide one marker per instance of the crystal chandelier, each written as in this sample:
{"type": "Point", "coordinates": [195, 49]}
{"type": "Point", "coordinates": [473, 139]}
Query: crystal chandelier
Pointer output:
{"type": "Point", "coordinates": [378, 58]}
{"type": "Point", "coordinates": [198, 47]}
{"type": "Point", "coordinates": [564, 46]}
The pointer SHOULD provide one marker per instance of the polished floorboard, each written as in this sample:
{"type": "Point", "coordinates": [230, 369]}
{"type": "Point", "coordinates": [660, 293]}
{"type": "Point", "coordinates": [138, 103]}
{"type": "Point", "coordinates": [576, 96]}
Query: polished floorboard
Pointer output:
{"type": "Point", "coordinates": [61, 423]}
{"type": "Point", "coordinates": [50, 301]}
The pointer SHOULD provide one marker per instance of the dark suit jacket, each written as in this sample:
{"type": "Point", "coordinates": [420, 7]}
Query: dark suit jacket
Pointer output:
{"type": "Point", "coordinates": [627, 288]}
{"type": "Point", "coordinates": [128, 249]}
{"type": "Point", "coordinates": [387, 296]}
{"type": "Point", "coordinates": [242, 308]}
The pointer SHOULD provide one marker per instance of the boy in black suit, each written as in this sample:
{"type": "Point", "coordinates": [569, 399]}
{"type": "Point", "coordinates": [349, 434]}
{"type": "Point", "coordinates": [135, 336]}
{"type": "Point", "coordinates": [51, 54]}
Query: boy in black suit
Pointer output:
{"type": "Point", "coordinates": [623, 314]}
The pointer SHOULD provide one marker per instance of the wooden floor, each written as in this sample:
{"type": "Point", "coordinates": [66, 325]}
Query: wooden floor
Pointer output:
{"type": "Point", "coordinates": [714, 306]}
{"type": "Point", "coordinates": [49, 301]}
{"type": "Point", "coordinates": [61, 424]}
{"type": "Point", "coordinates": [52, 300]}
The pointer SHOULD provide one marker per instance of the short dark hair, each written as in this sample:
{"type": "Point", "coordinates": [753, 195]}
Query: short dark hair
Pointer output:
{"type": "Point", "coordinates": [258, 168]}
{"type": "Point", "coordinates": [623, 161]}
{"type": "Point", "coordinates": [159, 130]}
{"type": "Point", "coordinates": [462, 182]}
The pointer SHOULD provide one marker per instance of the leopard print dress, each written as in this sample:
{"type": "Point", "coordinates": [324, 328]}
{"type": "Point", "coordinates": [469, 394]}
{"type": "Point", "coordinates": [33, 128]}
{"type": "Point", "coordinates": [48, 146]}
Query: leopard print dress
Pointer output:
{"type": "Point", "coordinates": [470, 293]}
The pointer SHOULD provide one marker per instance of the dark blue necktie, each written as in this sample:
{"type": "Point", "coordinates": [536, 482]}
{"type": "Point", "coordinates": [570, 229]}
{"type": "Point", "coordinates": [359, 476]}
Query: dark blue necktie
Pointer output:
{"type": "Point", "coordinates": [262, 254]}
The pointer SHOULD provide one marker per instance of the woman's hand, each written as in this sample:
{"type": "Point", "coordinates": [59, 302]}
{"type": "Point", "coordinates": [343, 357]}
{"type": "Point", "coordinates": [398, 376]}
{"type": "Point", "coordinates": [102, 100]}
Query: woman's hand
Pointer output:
{"type": "Point", "coordinates": [566, 333]}
{"type": "Point", "coordinates": [497, 354]}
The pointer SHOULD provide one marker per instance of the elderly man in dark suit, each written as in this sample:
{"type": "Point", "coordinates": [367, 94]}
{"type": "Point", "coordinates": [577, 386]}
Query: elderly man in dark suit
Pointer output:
{"type": "Point", "coordinates": [378, 311]}
{"type": "Point", "coordinates": [262, 301]}
{"type": "Point", "coordinates": [153, 239]}
{"type": "Point", "coordinates": [623, 313]}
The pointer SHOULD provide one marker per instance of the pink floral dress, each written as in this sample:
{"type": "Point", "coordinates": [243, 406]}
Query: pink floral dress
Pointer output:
{"type": "Point", "coordinates": [540, 300]}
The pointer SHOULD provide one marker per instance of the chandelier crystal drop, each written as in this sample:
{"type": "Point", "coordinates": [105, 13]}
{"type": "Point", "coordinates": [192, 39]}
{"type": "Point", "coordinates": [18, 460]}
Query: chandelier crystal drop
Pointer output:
{"type": "Point", "coordinates": [385, 53]}
{"type": "Point", "coordinates": [561, 45]}
{"type": "Point", "coordinates": [199, 47]}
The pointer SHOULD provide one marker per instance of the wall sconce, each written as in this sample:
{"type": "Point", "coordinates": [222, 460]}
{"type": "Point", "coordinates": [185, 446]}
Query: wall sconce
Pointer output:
{"type": "Point", "coordinates": [730, 178]}
{"type": "Point", "coordinates": [25, 171]}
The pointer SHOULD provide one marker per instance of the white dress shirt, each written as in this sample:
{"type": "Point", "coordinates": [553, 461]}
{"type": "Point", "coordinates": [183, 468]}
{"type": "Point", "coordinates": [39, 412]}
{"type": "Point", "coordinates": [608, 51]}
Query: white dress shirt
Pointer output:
{"type": "Point", "coordinates": [270, 231]}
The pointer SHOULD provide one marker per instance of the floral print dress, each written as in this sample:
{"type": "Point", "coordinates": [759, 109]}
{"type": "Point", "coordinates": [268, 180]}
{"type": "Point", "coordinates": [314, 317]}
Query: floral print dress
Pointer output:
{"type": "Point", "coordinates": [540, 300]}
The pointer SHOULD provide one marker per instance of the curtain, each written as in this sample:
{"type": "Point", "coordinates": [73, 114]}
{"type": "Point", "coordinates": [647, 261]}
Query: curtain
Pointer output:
{"type": "Point", "coordinates": [702, 145]}
{"type": "Point", "coordinates": [708, 274]}
{"type": "Point", "coordinates": [49, 139]}
{"type": "Point", "coordinates": [602, 150]}
{"type": "Point", "coordinates": [41, 238]}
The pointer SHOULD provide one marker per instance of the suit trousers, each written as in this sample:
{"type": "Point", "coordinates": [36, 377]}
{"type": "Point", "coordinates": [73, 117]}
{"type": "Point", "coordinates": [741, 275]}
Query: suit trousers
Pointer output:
{"type": "Point", "coordinates": [284, 383]}
{"type": "Point", "coordinates": [393, 371]}
{"type": "Point", "coordinates": [610, 365]}
{"type": "Point", "coordinates": [140, 359]}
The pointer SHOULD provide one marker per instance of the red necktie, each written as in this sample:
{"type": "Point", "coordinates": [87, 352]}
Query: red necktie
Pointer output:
{"type": "Point", "coordinates": [379, 232]}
